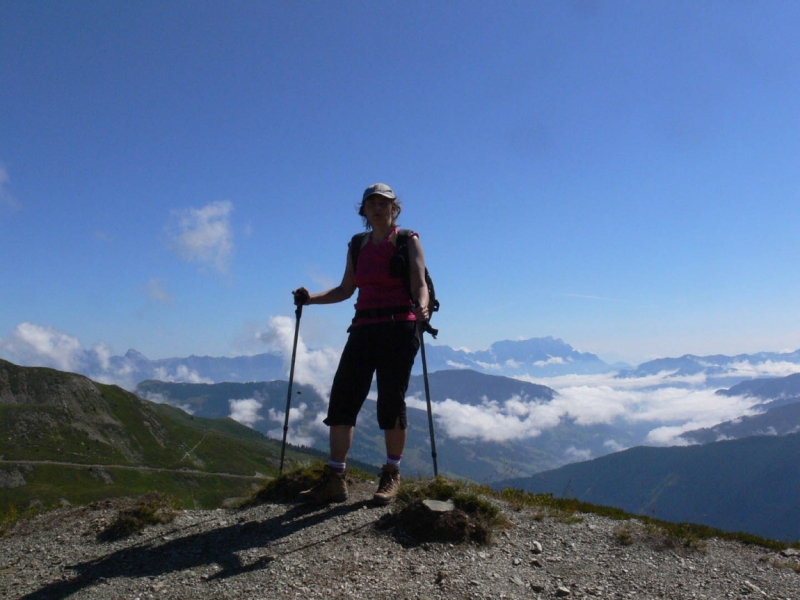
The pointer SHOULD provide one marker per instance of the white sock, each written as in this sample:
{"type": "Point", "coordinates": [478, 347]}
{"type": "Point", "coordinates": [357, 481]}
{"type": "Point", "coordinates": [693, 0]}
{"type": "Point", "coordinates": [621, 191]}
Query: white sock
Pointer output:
{"type": "Point", "coordinates": [337, 466]}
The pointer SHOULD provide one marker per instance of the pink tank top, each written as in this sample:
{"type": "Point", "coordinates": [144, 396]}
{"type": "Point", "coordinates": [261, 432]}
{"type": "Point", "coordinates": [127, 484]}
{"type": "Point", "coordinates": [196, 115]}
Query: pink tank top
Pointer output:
{"type": "Point", "coordinates": [376, 287]}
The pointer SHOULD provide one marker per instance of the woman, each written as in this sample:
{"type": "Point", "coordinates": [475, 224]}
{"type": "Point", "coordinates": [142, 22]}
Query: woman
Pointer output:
{"type": "Point", "coordinates": [383, 340]}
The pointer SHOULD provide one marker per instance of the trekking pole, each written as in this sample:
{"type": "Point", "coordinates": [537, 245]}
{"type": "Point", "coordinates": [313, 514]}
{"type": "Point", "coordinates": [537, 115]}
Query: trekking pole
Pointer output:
{"type": "Point", "coordinates": [428, 397]}
{"type": "Point", "coordinates": [298, 313]}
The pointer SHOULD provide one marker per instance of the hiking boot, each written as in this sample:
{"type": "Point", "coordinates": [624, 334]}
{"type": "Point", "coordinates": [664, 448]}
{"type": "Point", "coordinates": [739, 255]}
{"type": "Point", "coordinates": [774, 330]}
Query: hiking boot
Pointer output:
{"type": "Point", "coordinates": [388, 486]}
{"type": "Point", "coordinates": [332, 487]}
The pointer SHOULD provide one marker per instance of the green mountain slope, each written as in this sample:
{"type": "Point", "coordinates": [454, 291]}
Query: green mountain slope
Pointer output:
{"type": "Point", "coordinates": [65, 437]}
{"type": "Point", "coordinates": [750, 485]}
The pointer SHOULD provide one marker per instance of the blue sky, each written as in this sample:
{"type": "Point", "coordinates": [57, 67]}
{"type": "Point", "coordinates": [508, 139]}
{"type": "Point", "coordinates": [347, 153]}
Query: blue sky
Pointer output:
{"type": "Point", "coordinates": [621, 175]}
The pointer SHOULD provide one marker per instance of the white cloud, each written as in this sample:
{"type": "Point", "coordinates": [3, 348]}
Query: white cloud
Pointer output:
{"type": "Point", "coordinates": [551, 360]}
{"type": "Point", "coordinates": [204, 235]}
{"type": "Point", "coordinates": [574, 454]}
{"type": "Point", "coordinates": [312, 367]}
{"type": "Point", "coordinates": [672, 404]}
{"type": "Point", "coordinates": [456, 365]}
{"type": "Point", "coordinates": [514, 419]}
{"type": "Point", "coordinates": [102, 353]}
{"type": "Point", "coordinates": [489, 366]}
{"type": "Point", "coordinates": [246, 411]}
{"type": "Point", "coordinates": [160, 398]}
{"type": "Point", "coordinates": [6, 199]}
{"type": "Point", "coordinates": [614, 446]}
{"type": "Point", "coordinates": [765, 369]}
{"type": "Point", "coordinates": [156, 291]}
{"type": "Point", "coordinates": [297, 436]}
{"type": "Point", "coordinates": [182, 374]}
{"type": "Point", "coordinates": [34, 345]}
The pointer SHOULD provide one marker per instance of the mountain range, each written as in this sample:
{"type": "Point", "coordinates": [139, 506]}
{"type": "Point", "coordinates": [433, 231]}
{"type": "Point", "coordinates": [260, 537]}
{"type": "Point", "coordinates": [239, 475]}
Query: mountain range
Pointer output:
{"type": "Point", "coordinates": [595, 409]}
{"type": "Point", "coordinates": [717, 370]}
{"type": "Point", "coordinates": [750, 485]}
{"type": "Point", "coordinates": [65, 436]}
{"type": "Point", "coordinates": [533, 359]}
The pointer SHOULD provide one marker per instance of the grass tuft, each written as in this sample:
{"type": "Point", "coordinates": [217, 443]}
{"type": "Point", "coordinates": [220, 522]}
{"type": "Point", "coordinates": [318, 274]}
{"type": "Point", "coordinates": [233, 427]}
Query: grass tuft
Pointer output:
{"type": "Point", "coordinates": [8, 519]}
{"type": "Point", "coordinates": [150, 509]}
{"type": "Point", "coordinates": [285, 488]}
{"type": "Point", "coordinates": [689, 536]}
{"type": "Point", "coordinates": [473, 519]}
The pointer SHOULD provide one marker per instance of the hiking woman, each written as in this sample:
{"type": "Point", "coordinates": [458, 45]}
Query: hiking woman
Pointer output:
{"type": "Point", "coordinates": [383, 340]}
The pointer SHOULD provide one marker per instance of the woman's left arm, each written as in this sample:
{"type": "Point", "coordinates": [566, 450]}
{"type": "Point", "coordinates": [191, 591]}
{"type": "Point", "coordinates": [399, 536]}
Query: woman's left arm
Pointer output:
{"type": "Point", "coordinates": [419, 289]}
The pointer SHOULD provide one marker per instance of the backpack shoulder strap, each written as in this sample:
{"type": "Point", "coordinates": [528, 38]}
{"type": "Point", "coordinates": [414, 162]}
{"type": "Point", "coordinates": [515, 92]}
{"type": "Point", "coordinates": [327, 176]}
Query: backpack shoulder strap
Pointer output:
{"type": "Point", "coordinates": [401, 241]}
{"type": "Point", "coordinates": [357, 242]}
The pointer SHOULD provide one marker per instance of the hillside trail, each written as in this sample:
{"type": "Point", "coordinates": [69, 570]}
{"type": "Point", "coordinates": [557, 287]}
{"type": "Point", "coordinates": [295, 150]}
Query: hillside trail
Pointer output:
{"type": "Point", "coordinates": [276, 551]}
{"type": "Point", "coordinates": [128, 468]}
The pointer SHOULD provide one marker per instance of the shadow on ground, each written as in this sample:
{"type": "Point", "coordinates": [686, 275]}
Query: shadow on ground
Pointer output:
{"type": "Point", "coordinates": [215, 547]}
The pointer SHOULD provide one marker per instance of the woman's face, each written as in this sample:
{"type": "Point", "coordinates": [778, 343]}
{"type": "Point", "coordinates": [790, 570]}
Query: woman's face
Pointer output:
{"type": "Point", "coordinates": [378, 211]}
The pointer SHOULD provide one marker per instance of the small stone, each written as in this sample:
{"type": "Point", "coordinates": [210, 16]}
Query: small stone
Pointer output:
{"type": "Point", "coordinates": [439, 506]}
{"type": "Point", "coordinates": [517, 581]}
{"type": "Point", "coordinates": [537, 587]}
{"type": "Point", "coordinates": [562, 592]}
{"type": "Point", "coordinates": [537, 563]}
{"type": "Point", "coordinates": [536, 548]}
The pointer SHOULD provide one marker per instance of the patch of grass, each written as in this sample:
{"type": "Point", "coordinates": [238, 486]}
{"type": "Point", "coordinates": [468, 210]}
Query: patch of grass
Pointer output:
{"type": "Point", "coordinates": [12, 515]}
{"type": "Point", "coordinates": [687, 535]}
{"type": "Point", "coordinates": [785, 564]}
{"type": "Point", "coordinates": [473, 519]}
{"type": "Point", "coordinates": [285, 488]}
{"type": "Point", "coordinates": [8, 519]}
{"type": "Point", "coordinates": [49, 484]}
{"type": "Point", "coordinates": [151, 509]}
{"type": "Point", "coordinates": [624, 535]}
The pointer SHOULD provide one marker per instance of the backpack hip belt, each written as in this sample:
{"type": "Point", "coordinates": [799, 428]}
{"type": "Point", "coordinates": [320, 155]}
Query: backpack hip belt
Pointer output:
{"type": "Point", "coordinates": [378, 313]}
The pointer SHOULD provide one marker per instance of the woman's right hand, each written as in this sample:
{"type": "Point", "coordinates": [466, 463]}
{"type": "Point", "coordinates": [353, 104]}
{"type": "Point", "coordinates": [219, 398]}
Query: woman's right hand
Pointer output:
{"type": "Point", "coordinates": [301, 296]}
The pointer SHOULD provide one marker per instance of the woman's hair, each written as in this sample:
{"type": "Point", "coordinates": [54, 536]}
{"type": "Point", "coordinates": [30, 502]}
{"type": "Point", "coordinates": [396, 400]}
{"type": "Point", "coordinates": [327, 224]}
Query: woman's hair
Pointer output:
{"type": "Point", "coordinates": [396, 210]}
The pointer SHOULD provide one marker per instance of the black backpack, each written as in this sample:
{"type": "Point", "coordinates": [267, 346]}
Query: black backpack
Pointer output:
{"type": "Point", "coordinates": [399, 267]}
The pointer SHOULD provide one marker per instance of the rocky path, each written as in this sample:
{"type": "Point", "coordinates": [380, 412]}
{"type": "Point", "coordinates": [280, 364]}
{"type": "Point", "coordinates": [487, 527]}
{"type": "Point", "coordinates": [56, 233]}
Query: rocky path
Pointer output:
{"type": "Point", "coordinates": [276, 551]}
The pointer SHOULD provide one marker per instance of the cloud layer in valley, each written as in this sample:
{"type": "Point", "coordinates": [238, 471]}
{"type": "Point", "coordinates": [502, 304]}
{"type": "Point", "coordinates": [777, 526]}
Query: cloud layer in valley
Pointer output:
{"type": "Point", "coordinates": [664, 405]}
{"type": "Point", "coordinates": [672, 405]}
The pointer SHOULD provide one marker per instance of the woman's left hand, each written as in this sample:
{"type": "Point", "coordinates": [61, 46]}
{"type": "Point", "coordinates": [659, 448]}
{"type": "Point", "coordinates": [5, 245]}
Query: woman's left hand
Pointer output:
{"type": "Point", "coordinates": [421, 312]}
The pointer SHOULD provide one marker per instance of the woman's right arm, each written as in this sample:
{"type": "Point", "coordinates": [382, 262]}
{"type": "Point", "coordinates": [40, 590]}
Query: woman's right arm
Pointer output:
{"type": "Point", "coordinates": [341, 292]}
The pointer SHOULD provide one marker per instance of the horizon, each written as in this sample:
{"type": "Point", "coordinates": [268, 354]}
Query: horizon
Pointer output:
{"type": "Point", "coordinates": [664, 404]}
{"type": "Point", "coordinates": [618, 176]}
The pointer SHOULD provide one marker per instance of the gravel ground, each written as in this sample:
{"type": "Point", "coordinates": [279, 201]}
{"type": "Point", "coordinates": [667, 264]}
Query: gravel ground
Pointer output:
{"type": "Point", "coordinates": [279, 551]}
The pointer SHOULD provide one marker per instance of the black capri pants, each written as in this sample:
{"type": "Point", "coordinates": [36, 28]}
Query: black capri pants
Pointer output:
{"type": "Point", "coordinates": [386, 349]}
